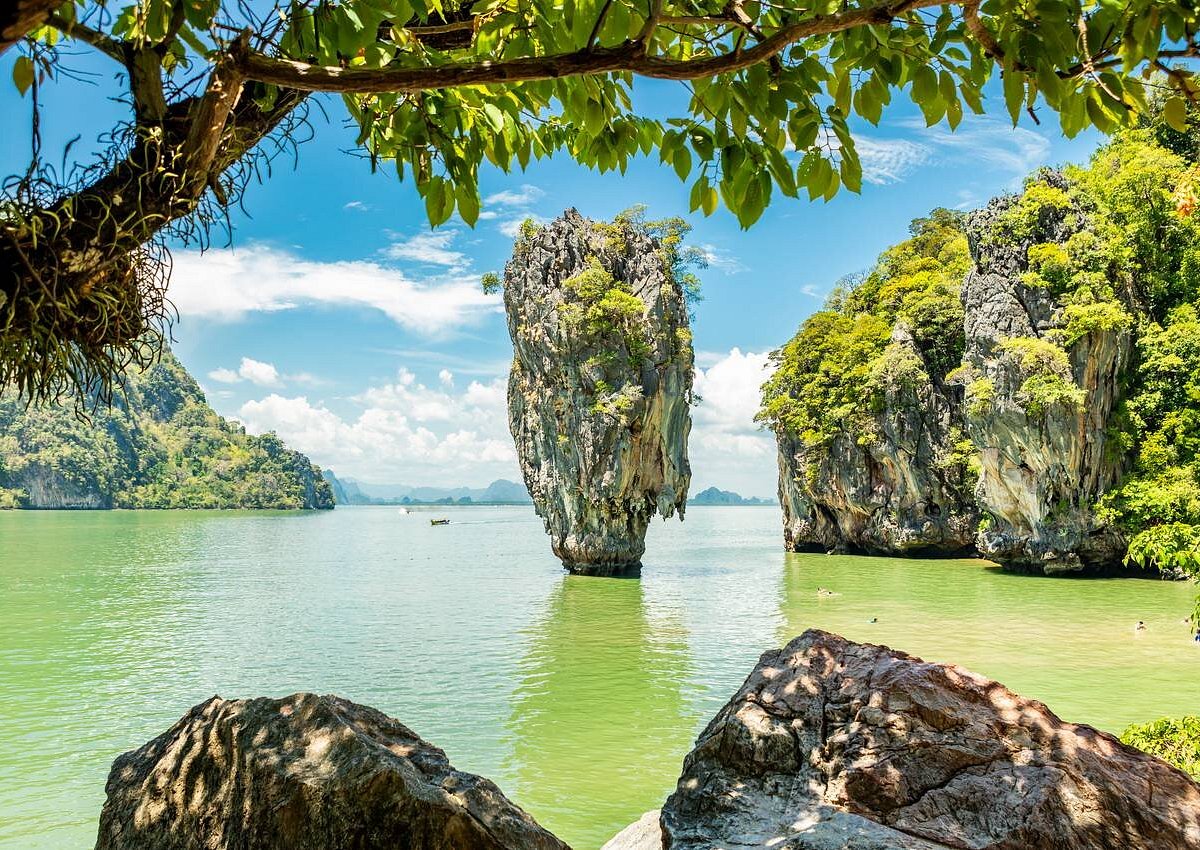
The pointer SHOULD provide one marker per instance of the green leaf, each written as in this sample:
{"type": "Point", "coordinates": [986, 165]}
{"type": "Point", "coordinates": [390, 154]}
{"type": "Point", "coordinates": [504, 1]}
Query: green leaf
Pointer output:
{"type": "Point", "coordinates": [468, 203]}
{"type": "Point", "coordinates": [1174, 113]}
{"type": "Point", "coordinates": [682, 162]}
{"type": "Point", "coordinates": [1014, 94]}
{"type": "Point", "coordinates": [23, 73]}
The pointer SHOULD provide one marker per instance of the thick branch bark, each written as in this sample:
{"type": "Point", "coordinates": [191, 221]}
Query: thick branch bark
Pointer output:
{"type": "Point", "coordinates": [629, 56]}
{"type": "Point", "coordinates": [18, 18]}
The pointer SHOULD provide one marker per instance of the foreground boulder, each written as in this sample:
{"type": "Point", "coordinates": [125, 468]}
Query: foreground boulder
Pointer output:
{"type": "Point", "coordinates": [304, 772]}
{"type": "Point", "coordinates": [833, 744]}
{"type": "Point", "coordinates": [601, 385]}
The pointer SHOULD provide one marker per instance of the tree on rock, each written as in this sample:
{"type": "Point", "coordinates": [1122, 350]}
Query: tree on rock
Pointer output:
{"type": "Point", "coordinates": [438, 88]}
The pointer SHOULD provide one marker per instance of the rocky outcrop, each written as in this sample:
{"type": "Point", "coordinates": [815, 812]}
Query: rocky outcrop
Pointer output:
{"type": "Point", "coordinates": [1042, 468]}
{"type": "Point", "coordinates": [305, 772]}
{"type": "Point", "coordinates": [898, 491]}
{"type": "Point", "coordinates": [600, 390]}
{"type": "Point", "coordinates": [832, 745]}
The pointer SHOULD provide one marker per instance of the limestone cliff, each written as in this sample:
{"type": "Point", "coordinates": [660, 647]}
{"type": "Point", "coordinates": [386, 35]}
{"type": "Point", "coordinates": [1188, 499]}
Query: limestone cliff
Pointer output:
{"type": "Point", "coordinates": [600, 390]}
{"type": "Point", "coordinates": [908, 427]}
{"type": "Point", "coordinates": [1043, 463]}
{"type": "Point", "coordinates": [894, 488]}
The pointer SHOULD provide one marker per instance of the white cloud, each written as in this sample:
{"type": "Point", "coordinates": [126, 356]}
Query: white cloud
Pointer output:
{"type": "Point", "coordinates": [403, 432]}
{"type": "Point", "coordinates": [226, 285]}
{"type": "Point", "coordinates": [224, 376]}
{"type": "Point", "coordinates": [889, 160]}
{"type": "Point", "coordinates": [727, 448]}
{"type": "Point", "coordinates": [258, 372]}
{"type": "Point", "coordinates": [812, 290]}
{"type": "Point", "coordinates": [254, 371]}
{"type": "Point", "coordinates": [431, 249]}
{"type": "Point", "coordinates": [446, 377]}
{"type": "Point", "coordinates": [720, 259]}
{"type": "Point", "coordinates": [522, 197]}
{"type": "Point", "coordinates": [982, 141]}
{"type": "Point", "coordinates": [356, 205]}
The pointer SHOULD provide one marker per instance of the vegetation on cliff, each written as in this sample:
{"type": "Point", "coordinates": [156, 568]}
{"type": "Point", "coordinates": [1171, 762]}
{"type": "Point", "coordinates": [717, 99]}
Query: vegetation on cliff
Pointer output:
{"type": "Point", "coordinates": [832, 376]}
{"type": "Point", "coordinates": [1115, 247]}
{"type": "Point", "coordinates": [158, 446]}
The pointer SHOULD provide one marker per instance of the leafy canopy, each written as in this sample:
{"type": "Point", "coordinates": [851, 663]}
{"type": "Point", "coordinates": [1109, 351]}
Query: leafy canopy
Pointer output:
{"type": "Point", "coordinates": [437, 88]}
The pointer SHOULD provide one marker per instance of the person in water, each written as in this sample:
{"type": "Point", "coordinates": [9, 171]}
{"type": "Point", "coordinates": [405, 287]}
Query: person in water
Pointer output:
{"type": "Point", "coordinates": [1140, 627]}
{"type": "Point", "coordinates": [1197, 637]}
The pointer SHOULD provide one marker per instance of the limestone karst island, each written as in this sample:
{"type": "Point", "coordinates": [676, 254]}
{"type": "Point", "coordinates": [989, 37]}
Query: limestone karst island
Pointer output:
{"type": "Point", "coordinates": [599, 424]}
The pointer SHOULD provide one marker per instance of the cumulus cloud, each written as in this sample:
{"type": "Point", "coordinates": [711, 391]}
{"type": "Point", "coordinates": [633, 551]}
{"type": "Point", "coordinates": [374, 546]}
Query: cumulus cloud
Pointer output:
{"type": "Point", "coordinates": [254, 371]}
{"type": "Point", "coordinates": [405, 431]}
{"type": "Point", "coordinates": [727, 448]}
{"type": "Point", "coordinates": [226, 285]}
{"type": "Point", "coordinates": [401, 432]}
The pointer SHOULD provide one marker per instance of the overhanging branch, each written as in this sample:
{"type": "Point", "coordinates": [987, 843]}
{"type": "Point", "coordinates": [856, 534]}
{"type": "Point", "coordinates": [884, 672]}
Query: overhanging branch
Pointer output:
{"type": "Point", "coordinates": [627, 57]}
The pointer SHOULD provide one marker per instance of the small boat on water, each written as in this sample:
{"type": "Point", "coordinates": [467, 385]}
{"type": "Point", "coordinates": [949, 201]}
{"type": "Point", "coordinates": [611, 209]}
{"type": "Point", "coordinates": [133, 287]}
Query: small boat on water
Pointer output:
{"type": "Point", "coordinates": [439, 522]}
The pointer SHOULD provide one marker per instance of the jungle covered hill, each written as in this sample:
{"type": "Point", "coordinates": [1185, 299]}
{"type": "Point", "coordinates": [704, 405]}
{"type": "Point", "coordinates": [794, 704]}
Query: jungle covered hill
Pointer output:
{"type": "Point", "coordinates": [159, 445]}
{"type": "Point", "coordinates": [1021, 381]}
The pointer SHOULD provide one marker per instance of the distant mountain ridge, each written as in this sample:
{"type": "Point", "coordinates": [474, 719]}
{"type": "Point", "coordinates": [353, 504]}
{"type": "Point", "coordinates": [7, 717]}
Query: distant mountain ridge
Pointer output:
{"type": "Point", "coordinates": [715, 496]}
{"type": "Point", "coordinates": [349, 491]}
{"type": "Point", "coordinates": [158, 446]}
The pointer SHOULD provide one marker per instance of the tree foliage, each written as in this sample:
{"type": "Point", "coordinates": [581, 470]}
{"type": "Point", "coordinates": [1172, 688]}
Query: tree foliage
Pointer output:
{"type": "Point", "coordinates": [439, 88]}
{"type": "Point", "coordinates": [159, 446]}
{"type": "Point", "coordinates": [1175, 741]}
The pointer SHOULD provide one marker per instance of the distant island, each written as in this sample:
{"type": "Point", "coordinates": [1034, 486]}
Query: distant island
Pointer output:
{"type": "Point", "coordinates": [715, 496]}
{"type": "Point", "coordinates": [348, 491]}
{"type": "Point", "coordinates": [158, 446]}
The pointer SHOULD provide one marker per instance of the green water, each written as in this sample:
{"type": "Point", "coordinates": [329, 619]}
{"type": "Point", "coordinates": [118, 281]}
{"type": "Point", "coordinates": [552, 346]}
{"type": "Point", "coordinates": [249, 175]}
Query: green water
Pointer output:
{"type": "Point", "coordinates": [579, 696]}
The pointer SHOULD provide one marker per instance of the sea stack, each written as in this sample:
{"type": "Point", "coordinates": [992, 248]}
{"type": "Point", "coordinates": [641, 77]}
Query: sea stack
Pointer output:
{"type": "Point", "coordinates": [601, 385]}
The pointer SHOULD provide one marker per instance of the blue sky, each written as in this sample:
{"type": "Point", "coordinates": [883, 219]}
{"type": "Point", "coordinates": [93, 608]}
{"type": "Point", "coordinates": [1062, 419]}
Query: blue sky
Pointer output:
{"type": "Point", "coordinates": [340, 320]}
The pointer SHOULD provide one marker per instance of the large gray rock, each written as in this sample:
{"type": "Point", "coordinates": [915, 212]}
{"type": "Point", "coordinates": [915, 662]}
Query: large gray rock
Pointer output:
{"type": "Point", "coordinates": [305, 772]}
{"type": "Point", "coordinates": [895, 494]}
{"type": "Point", "coordinates": [1041, 471]}
{"type": "Point", "coordinates": [600, 390]}
{"type": "Point", "coordinates": [833, 745]}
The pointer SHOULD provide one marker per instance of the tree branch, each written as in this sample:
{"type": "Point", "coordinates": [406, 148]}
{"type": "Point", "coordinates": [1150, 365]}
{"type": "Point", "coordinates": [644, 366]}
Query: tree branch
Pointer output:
{"type": "Point", "coordinates": [103, 42]}
{"type": "Point", "coordinates": [18, 18]}
{"type": "Point", "coordinates": [629, 56]}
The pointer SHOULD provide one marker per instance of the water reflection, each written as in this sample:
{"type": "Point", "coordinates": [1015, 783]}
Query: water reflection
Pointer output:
{"type": "Point", "coordinates": [600, 699]}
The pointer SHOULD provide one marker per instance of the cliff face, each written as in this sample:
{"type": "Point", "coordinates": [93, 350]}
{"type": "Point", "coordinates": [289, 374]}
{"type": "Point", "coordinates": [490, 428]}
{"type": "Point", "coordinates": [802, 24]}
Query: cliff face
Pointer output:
{"type": "Point", "coordinates": [600, 389]}
{"type": "Point", "coordinates": [895, 488]}
{"type": "Point", "coordinates": [1042, 465]}
{"type": "Point", "coordinates": [158, 446]}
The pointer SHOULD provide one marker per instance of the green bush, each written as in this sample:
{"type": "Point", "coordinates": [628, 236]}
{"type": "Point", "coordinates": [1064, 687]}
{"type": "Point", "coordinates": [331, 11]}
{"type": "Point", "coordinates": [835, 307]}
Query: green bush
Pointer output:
{"type": "Point", "coordinates": [1175, 741]}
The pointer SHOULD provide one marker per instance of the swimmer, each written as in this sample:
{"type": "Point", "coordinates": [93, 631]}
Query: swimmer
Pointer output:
{"type": "Point", "coordinates": [825, 592]}
{"type": "Point", "coordinates": [1140, 627]}
{"type": "Point", "coordinates": [876, 620]}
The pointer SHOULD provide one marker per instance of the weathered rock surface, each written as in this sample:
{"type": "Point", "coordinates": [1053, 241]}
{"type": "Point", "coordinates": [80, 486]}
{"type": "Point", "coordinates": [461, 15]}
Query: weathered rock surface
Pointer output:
{"type": "Point", "coordinates": [305, 772]}
{"type": "Point", "coordinates": [645, 833]}
{"type": "Point", "coordinates": [833, 745]}
{"type": "Point", "coordinates": [1040, 471]}
{"type": "Point", "coordinates": [598, 398]}
{"type": "Point", "coordinates": [892, 495]}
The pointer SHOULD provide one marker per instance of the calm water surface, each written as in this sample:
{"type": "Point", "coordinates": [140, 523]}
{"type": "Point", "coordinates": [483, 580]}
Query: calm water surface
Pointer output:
{"type": "Point", "coordinates": [578, 696]}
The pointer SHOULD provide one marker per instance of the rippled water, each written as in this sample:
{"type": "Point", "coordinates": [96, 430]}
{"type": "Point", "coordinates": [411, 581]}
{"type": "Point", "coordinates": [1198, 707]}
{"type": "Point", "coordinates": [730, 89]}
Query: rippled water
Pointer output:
{"type": "Point", "coordinates": [578, 696]}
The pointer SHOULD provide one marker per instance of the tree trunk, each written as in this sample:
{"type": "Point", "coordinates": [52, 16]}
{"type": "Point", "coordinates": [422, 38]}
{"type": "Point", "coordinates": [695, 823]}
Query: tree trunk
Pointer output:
{"type": "Point", "coordinates": [76, 283]}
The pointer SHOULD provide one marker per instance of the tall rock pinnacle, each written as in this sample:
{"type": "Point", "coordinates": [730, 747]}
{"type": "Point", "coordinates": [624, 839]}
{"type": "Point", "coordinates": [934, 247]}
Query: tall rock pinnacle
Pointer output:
{"type": "Point", "coordinates": [601, 385]}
